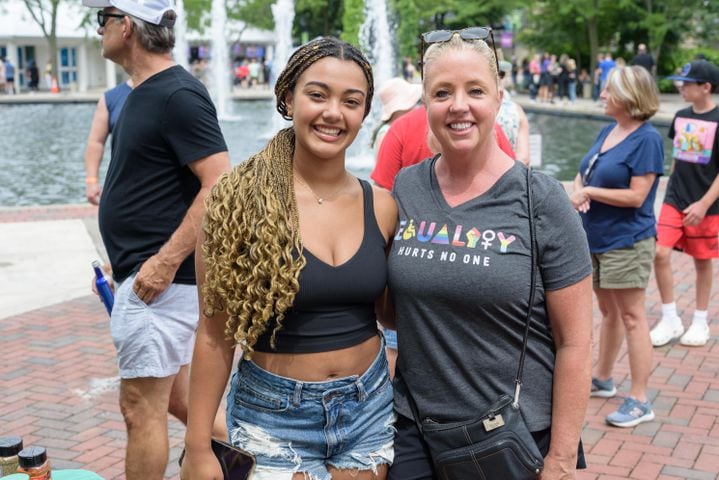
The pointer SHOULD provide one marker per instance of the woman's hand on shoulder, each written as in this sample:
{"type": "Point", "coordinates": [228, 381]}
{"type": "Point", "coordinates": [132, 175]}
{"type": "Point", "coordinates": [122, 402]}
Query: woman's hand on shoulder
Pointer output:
{"type": "Point", "coordinates": [385, 210]}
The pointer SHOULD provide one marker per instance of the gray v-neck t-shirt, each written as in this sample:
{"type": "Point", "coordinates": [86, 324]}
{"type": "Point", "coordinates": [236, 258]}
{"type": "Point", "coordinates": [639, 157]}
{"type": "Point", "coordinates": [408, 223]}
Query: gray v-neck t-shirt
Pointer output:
{"type": "Point", "coordinates": [460, 279]}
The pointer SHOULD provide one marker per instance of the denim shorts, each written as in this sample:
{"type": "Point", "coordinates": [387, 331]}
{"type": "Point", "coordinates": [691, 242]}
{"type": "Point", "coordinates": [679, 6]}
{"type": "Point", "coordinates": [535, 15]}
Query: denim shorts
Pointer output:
{"type": "Point", "coordinates": [390, 336]}
{"type": "Point", "coordinates": [302, 427]}
{"type": "Point", "coordinates": [153, 340]}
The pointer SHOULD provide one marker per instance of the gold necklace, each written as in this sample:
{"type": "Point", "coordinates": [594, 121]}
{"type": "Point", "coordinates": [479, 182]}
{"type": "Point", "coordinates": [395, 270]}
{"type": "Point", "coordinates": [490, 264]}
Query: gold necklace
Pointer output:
{"type": "Point", "coordinates": [321, 200]}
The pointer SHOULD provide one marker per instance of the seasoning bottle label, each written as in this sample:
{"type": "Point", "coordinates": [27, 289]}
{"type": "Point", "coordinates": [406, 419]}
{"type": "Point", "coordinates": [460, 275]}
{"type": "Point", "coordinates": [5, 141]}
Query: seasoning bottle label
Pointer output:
{"type": "Point", "coordinates": [42, 476]}
{"type": "Point", "coordinates": [8, 468]}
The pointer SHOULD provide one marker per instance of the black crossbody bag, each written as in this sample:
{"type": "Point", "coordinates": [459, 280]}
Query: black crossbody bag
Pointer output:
{"type": "Point", "coordinates": [497, 444]}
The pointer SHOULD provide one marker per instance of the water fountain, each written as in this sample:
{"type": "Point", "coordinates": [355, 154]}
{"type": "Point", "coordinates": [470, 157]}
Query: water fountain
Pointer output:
{"type": "Point", "coordinates": [376, 42]}
{"type": "Point", "coordinates": [219, 65]}
{"type": "Point", "coordinates": [180, 51]}
{"type": "Point", "coordinates": [283, 12]}
{"type": "Point", "coordinates": [41, 169]}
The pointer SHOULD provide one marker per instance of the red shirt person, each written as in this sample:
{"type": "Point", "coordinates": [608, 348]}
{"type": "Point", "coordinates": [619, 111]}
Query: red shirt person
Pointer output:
{"type": "Point", "coordinates": [405, 144]}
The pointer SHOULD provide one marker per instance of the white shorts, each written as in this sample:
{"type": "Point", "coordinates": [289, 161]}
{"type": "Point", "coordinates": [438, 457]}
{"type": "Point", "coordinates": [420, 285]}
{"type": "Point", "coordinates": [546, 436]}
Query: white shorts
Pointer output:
{"type": "Point", "coordinates": [154, 340]}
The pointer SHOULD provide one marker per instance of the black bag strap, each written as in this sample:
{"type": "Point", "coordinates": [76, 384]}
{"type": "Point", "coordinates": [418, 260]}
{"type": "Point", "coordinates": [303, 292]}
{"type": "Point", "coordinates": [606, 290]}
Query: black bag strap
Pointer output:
{"type": "Point", "coordinates": [533, 285]}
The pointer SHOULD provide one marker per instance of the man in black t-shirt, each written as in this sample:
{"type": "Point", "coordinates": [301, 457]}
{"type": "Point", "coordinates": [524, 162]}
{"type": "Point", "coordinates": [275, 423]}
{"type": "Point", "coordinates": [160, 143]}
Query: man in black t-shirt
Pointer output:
{"type": "Point", "coordinates": [643, 59]}
{"type": "Point", "coordinates": [167, 153]}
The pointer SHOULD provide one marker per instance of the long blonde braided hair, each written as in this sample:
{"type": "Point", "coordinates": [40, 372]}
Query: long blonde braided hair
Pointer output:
{"type": "Point", "coordinates": [252, 249]}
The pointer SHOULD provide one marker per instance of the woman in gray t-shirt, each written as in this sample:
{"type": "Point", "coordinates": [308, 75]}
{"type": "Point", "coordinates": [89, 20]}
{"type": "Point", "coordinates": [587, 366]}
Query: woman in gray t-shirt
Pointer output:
{"type": "Point", "coordinates": [460, 274]}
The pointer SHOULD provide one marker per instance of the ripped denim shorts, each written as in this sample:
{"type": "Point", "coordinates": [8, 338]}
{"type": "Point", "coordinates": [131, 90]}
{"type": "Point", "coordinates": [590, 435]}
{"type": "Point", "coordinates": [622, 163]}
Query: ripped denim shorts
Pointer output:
{"type": "Point", "coordinates": [292, 426]}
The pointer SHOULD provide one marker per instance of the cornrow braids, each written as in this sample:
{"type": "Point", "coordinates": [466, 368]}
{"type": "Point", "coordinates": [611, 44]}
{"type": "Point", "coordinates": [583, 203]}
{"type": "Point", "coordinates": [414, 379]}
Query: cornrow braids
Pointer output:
{"type": "Point", "coordinates": [252, 248]}
{"type": "Point", "coordinates": [305, 56]}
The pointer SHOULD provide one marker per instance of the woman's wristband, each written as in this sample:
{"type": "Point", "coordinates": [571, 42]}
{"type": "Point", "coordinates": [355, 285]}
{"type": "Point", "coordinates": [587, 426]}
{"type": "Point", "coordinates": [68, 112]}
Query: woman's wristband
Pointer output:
{"type": "Point", "coordinates": [90, 179]}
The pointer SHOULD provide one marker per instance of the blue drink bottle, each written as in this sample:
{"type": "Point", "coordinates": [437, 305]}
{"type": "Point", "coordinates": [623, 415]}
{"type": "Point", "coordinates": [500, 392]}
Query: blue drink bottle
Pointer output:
{"type": "Point", "coordinates": [103, 288]}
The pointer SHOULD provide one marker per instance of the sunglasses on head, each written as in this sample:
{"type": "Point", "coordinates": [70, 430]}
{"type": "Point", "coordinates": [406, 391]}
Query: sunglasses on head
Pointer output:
{"type": "Point", "coordinates": [102, 17]}
{"type": "Point", "coordinates": [467, 34]}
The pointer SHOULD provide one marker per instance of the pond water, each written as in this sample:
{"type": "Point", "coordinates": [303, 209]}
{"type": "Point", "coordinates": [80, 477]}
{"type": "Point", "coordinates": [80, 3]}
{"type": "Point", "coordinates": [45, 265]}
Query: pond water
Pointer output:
{"type": "Point", "coordinates": [565, 141]}
{"type": "Point", "coordinates": [42, 147]}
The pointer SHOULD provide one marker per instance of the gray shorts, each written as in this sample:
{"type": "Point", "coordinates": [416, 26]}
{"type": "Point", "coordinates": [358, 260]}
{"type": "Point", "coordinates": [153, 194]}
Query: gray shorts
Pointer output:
{"type": "Point", "coordinates": [154, 340]}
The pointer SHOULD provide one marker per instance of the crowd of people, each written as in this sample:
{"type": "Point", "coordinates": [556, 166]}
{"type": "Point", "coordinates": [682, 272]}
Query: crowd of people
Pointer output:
{"type": "Point", "coordinates": [299, 285]}
{"type": "Point", "coordinates": [7, 76]}
{"type": "Point", "coordinates": [246, 73]}
{"type": "Point", "coordinates": [615, 190]}
{"type": "Point", "coordinates": [8, 73]}
{"type": "Point", "coordinates": [549, 78]}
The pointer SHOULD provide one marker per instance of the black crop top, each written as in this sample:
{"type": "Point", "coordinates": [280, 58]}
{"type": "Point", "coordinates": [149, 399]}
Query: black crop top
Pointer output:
{"type": "Point", "coordinates": [334, 307]}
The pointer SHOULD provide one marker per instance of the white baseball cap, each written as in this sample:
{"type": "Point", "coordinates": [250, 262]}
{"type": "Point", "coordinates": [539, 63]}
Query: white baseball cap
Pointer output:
{"type": "Point", "coordinates": [151, 11]}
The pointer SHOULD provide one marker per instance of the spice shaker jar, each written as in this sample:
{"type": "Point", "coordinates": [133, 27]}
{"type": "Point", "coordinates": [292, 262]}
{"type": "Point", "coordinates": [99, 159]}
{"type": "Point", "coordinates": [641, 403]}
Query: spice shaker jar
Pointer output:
{"type": "Point", "coordinates": [9, 448]}
{"type": "Point", "coordinates": [34, 463]}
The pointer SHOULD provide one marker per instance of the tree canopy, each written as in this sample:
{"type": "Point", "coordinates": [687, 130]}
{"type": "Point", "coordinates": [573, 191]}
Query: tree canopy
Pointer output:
{"type": "Point", "coordinates": [671, 29]}
{"type": "Point", "coordinates": [583, 28]}
{"type": "Point", "coordinates": [44, 13]}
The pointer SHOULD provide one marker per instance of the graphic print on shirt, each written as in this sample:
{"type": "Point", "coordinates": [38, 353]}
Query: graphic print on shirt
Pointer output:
{"type": "Point", "coordinates": [694, 140]}
{"type": "Point", "coordinates": [428, 237]}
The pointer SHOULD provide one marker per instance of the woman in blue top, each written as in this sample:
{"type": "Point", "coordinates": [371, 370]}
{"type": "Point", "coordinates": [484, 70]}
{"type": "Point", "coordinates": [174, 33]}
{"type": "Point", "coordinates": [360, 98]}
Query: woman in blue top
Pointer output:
{"type": "Point", "coordinates": [614, 191]}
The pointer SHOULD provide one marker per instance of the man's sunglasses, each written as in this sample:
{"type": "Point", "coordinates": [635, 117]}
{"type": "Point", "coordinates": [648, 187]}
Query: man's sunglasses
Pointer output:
{"type": "Point", "coordinates": [102, 17]}
{"type": "Point", "coordinates": [468, 35]}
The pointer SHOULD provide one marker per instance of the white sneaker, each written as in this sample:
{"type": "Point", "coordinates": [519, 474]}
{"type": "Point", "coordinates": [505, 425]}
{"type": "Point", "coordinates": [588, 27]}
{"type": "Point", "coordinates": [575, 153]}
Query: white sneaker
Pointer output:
{"type": "Point", "coordinates": [665, 331]}
{"type": "Point", "coordinates": [696, 336]}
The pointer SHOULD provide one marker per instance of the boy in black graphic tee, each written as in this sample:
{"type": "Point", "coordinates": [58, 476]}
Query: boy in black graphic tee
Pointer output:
{"type": "Point", "coordinates": [689, 219]}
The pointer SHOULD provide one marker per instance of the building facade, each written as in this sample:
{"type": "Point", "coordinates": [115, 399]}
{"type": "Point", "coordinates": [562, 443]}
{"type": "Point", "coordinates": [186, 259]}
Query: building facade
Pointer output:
{"type": "Point", "coordinates": [79, 57]}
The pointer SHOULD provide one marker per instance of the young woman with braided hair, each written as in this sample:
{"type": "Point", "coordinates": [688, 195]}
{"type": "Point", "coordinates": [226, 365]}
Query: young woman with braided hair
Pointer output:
{"type": "Point", "coordinates": [293, 261]}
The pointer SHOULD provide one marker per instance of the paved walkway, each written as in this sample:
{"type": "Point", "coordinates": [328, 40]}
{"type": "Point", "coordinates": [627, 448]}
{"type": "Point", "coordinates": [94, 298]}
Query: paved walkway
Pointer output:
{"type": "Point", "coordinates": [59, 381]}
{"type": "Point", "coordinates": [93, 95]}
{"type": "Point", "coordinates": [669, 104]}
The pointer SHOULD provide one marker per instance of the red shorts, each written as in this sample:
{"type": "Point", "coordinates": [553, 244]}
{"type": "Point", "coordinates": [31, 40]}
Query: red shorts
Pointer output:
{"type": "Point", "coordinates": [699, 241]}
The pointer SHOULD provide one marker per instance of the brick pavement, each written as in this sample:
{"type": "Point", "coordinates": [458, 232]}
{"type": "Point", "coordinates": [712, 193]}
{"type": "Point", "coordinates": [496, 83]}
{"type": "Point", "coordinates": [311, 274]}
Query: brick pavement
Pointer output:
{"type": "Point", "coordinates": [59, 389]}
{"type": "Point", "coordinates": [50, 212]}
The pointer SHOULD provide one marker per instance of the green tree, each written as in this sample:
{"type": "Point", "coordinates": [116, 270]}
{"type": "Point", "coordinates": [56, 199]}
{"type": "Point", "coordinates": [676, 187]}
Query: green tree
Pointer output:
{"type": "Point", "coordinates": [197, 15]}
{"type": "Point", "coordinates": [352, 20]}
{"type": "Point", "coordinates": [456, 14]}
{"type": "Point", "coordinates": [407, 29]}
{"type": "Point", "coordinates": [314, 18]}
{"type": "Point", "coordinates": [44, 13]}
{"type": "Point", "coordinates": [585, 27]}
{"type": "Point", "coordinates": [254, 13]}
{"type": "Point", "coordinates": [417, 16]}
{"type": "Point", "coordinates": [580, 27]}
{"type": "Point", "coordinates": [668, 23]}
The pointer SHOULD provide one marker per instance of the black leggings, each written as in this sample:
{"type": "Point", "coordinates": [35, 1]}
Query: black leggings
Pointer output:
{"type": "Point", "coordinates": [412, 460]}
